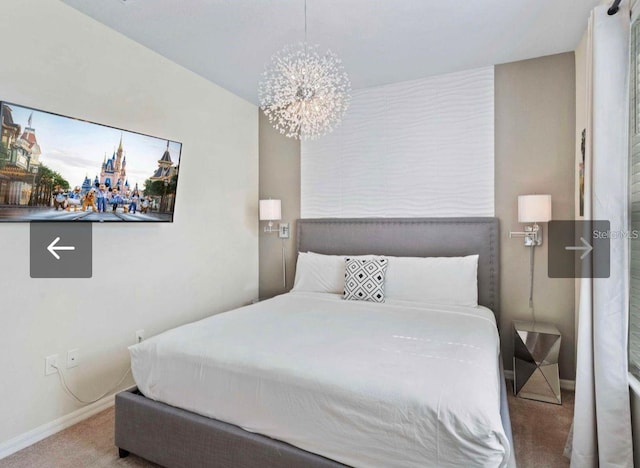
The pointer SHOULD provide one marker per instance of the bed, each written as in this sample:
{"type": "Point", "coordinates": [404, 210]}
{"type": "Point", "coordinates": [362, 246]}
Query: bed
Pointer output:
{"type": "Point", "coordinates": [307, 379]}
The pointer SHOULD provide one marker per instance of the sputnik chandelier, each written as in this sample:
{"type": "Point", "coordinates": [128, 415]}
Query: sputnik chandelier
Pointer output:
{"type": "Point", "coordinates": [303, 93]}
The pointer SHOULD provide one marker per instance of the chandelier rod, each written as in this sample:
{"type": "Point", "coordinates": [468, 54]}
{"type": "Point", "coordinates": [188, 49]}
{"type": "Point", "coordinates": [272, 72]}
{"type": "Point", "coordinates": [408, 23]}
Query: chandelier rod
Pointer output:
{"type": "Point", "coordinates": [615, 6]}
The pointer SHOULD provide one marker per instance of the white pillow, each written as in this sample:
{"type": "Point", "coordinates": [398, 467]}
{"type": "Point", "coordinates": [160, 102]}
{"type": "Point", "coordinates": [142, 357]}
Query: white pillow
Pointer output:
{"type": "Point", "coordinates": [321, 273]}
{"type": "Point", "coordinates": [434, 280]}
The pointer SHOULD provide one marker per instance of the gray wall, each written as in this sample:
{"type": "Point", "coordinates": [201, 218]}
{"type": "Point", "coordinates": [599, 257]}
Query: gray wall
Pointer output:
{"type": "Point", "coordinates": [535, 128]}
{"type": "Point", "coordinates": [534, 153]}
{"type": "Point", "coordinates": [279, 179]}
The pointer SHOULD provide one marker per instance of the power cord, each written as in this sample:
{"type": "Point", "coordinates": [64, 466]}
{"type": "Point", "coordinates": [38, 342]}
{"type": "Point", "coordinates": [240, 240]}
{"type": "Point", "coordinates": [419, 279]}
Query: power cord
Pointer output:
{"type": "Point", "coordinates": [531, 272]}
{"type": "Point", "coordinates": [284, 267]}
{"type": "Point", "coordinates": [63, 381]}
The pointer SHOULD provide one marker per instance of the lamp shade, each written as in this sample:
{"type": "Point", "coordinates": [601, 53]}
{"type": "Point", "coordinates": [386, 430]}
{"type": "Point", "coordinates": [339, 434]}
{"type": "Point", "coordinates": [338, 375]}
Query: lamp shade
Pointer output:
{"type": "Point", "coordinates": [270, 210]}
{"type": "Point", "coordinates": [534, 208]}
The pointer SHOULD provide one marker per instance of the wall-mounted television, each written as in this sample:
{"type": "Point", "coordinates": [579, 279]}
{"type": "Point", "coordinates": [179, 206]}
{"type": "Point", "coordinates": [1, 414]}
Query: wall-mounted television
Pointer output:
{"type": "Point", "coordinates": [57, 168]}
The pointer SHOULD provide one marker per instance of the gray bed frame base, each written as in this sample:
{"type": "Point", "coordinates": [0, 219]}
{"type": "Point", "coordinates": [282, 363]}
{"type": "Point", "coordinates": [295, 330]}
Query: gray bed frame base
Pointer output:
{"type": "Point", "coordinates": [173, 437]}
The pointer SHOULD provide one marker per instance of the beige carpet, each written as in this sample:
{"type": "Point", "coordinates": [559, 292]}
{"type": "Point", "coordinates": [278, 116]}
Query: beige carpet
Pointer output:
{"type": "Point", "coordinates": [539, 432]}
{"type": "Point", "coordinates": [87, 444]}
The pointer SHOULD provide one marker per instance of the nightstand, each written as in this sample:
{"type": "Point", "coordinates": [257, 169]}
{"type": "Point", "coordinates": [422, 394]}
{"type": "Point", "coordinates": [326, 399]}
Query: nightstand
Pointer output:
{"type": "Point", "coordinates": [536, 346]}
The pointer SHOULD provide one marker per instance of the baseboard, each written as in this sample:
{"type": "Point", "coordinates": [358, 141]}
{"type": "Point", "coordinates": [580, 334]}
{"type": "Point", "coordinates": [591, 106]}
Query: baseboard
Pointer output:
{"type": "Point", "coordinates": [564, 384]}
{"type": "Point", "coordinates": [16, 444]}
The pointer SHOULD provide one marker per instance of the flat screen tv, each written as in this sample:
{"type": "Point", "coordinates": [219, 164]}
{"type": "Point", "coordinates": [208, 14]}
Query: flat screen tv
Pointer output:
{"type": "Point", "coordinates": [57, 168]}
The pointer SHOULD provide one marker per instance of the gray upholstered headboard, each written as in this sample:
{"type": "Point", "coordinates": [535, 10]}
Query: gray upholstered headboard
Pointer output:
{"type": "Point", "coordinates": [412, 237]}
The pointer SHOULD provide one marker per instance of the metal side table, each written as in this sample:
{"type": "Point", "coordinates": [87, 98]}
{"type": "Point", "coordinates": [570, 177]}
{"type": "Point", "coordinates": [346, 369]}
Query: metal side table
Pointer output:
{"type": "Point", "coordinates": [536, 347]}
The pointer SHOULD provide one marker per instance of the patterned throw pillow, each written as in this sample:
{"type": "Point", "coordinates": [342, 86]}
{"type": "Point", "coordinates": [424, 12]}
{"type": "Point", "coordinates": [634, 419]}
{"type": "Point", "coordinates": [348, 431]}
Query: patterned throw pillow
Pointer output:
{"type": "Point", "coordinates": [364, 279]}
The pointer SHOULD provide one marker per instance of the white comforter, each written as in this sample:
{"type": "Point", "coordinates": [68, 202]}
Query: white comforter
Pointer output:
{"type": "Point", "coordinates": [384, 385]}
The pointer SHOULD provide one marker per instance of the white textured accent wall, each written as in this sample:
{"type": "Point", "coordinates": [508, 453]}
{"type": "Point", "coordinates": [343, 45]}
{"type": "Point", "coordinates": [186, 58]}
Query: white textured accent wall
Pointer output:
{"type": "Point", "coordinates": [410, 149]}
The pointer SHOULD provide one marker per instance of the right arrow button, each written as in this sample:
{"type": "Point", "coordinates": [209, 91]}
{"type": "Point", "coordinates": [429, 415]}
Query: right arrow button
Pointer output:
{"type": "Point", "coordinates": [586, 248]}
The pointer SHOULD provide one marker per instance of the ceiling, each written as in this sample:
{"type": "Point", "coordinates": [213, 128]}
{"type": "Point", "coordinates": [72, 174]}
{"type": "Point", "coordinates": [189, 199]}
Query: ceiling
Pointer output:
{"type": "Point", "coordinates": [379, 41]}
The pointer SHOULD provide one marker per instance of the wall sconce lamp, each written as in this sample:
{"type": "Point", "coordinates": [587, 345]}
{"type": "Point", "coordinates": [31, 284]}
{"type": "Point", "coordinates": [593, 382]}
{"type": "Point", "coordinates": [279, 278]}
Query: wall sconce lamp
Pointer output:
{"type": "Point", "coordinates": [270, 210]}
{"type": "Point", "coordinates": [532, 209]}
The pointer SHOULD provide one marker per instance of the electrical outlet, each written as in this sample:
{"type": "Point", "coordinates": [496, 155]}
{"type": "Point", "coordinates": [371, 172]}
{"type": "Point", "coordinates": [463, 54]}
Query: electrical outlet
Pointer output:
{"type": "Point", "coordinates": [49, 362]}
{"type": "Point", "coordinates": [283, 230]}
{"type": "Point", "coordinates": [73, 356]}
{"type": "Point", "coordinates": [139, 336]}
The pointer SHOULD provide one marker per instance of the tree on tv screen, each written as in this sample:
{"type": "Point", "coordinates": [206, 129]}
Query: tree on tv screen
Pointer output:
{"type": "Point", "coordinates": [47, 176]}
{"type": "Point", "coordinates": [157, 187]}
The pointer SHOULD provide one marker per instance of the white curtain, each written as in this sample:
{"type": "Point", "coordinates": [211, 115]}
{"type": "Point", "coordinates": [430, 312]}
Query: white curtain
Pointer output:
{"type": "Point", "coordinates": [602, 420]}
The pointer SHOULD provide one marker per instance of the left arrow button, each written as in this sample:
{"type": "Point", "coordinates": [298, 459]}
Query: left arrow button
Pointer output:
{"type": "Point", "coordinates": [49, 240]}
{"type": "Point", "coordinates": [53, 247]}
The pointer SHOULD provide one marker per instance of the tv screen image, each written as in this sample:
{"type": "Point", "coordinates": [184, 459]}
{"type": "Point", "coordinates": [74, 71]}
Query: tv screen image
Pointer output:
{"type": "Point", "coordinates": [57, 168]}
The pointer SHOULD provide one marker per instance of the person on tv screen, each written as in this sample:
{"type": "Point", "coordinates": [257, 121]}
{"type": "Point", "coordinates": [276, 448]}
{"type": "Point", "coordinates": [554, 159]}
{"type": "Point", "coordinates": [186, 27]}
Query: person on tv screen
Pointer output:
{"type": "Point", "coordinates": [60, 199]}
{"type": "Point", "coordinates": [115, 199]}
{"type": "Point", "coordinates": [74, 200]}
{"type": "Point", "coordinates": [145, 204]}
{"type": "Point", "coordinates": [101, 198]}
{"type": "Point", "coordinates": [135, 198]}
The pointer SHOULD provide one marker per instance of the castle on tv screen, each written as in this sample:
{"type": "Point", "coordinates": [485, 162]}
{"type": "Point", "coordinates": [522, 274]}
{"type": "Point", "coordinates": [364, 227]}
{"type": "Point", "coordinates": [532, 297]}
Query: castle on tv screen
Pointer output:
{"type": "Point", "coordinates": [54, 168]}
